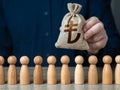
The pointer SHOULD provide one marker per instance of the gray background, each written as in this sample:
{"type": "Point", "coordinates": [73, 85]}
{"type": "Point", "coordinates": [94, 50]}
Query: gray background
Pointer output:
{"type": "Point", "coordinates": [116, 12]}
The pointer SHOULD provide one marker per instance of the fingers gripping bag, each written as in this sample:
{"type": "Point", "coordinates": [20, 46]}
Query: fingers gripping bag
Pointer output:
{"type": "Point", "coordinates": [71, 33]}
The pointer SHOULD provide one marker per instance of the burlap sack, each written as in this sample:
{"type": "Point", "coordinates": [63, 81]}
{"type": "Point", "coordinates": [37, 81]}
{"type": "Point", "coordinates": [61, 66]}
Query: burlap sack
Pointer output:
{"type": "Point", "coordinates": [71, 33]}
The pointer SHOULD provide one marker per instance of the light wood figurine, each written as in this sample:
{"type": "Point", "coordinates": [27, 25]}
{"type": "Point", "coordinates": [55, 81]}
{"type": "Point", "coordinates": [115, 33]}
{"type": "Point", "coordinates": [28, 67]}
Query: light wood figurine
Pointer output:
{"type": "Point", "coordinates": [51, 72]}
{"type": "Point", "coordinates": [65, 72]}
{"type": "Point", "coordinates": [12, 72]}
{"type": "Point", "coordinates": [2, 73]}
{"type": "Point", "coordinates": [92, 71]}
{"type": "Point", "coordinates": [117, 70]}
{"type": "Point", "coordinates": [24, 71]}
{"type": "Point", "coordinates": [107, 70]}
{"type": "Point", "coordinates": [38, 72]}
{"type": "Point", "coordinates": [79, 71]}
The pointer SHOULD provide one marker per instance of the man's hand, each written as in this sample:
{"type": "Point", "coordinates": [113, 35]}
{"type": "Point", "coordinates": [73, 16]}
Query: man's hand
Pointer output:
{"type": "Point", "coordinates": [95, 35]}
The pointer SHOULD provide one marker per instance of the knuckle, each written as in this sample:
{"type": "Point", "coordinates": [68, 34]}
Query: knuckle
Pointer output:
{"type": "Point", "coordinates": [99, 45]}
{"type": "Point", "coordinates": [92, 32]}
{"type": "Point", "coordinates": [101, 26]}
{"type": "Point", "coordinates": [95, 39]}
{"type": "Point", "coordinates": [95, 18]}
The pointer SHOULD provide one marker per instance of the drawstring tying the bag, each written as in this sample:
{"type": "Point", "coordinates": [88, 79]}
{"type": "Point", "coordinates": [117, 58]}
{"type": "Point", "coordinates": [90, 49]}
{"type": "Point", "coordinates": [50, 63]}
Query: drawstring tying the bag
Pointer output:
{"type": "Point", "coordinates": [74, 8]}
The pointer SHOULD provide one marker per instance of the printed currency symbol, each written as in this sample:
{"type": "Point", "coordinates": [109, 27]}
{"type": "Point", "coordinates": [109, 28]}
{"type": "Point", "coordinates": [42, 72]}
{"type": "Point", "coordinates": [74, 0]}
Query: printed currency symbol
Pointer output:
{"type": "Point", "coordinates": [70, 30]}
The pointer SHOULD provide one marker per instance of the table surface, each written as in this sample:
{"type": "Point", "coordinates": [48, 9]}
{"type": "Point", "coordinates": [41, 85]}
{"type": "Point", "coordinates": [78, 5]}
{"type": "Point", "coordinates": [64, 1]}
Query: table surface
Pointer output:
{"type": "Point", "coordinates": [58, 86]}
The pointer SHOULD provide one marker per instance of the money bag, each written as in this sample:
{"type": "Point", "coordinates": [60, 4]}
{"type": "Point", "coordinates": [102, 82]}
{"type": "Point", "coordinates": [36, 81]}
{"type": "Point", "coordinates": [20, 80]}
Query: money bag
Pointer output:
{"type": "Point", "coordinates": [71, 33]}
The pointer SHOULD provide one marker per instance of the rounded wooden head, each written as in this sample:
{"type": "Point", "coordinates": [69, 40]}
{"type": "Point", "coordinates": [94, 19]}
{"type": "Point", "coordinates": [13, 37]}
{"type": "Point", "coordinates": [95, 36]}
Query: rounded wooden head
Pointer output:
{"type": "Point", "coordinates": [51, 60]}
{"type": "Point", "coordinates": [79, 59]}
{"type": "Point", "coordinates": [1, 60]}
{"type": "Point", "coordinates": [93, 60]}
{"type": "Point", "coordinates": [65, 59]}
{"type": "Point", "coordinates": [107, 59]}
{"type": "Point", "coordinates": [38, 60]}
{"type": "Point", "coordinates": [117, 59]}
{"type": "Point", "coordinates": [12, 60]}
{"type": "Point", "coordinates": [24, 60]}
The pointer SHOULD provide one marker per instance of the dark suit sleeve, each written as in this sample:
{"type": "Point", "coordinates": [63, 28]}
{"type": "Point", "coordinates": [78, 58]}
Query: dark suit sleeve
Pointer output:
{"type": "Point", "coordinates": [5, 40]}
{"type": "Point", "coordinates": [102, 10]}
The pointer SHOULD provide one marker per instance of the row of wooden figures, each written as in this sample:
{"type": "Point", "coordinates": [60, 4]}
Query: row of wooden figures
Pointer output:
{"type": "Point", "coordinates": [65, 72]}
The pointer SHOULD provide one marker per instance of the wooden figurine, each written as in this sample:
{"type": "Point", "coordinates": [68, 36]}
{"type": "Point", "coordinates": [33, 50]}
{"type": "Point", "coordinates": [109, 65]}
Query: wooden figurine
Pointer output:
{"type": "Point", "coordinates": [107, 70]}
{"type": "Point", "coordinates": [38, 72]}
{"type": "Point", "coordinates": [92, 71]}
{"type": "Point", "coordinates": [24, 71]}
{"type": "Point", "coordinates": [117, 70]}
{"type": "Point", "coordinates": [2, 73]}
{"type": "Point", "coordinates": [79, 71]}
{"type": "Point", "coordinates": [51, 72]}
{"type": "Point", "coordinates": [12, 72]}
{"type": "Point", "coordinates": [65, 72]}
